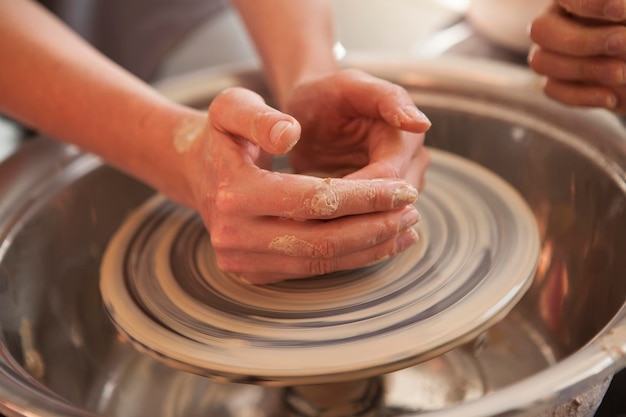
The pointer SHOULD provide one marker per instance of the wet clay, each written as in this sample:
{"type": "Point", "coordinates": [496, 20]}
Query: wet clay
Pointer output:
{"type": "Point", "coordinates": [291, 246]}
{"type": "Point", "coordinates": [187, 132]}
{"type": "Point", "coordinates": [324, 201]}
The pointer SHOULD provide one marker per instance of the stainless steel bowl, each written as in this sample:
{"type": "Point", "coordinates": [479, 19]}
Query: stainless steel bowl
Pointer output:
{"type": "Point", "coordinates": [553, 355]}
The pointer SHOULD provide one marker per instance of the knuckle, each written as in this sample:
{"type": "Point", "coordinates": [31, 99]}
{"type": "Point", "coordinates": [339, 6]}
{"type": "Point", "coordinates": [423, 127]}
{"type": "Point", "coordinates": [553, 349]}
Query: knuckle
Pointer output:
{"type": "Point", "coordinates": [321, 266]}
{"type": "Point", "coordinates": [382, 231]}
{"type": "Point", "coordinates": [380, 198]}
{"type": "Point", "coordinates": [386, 252]}
{"type": "Point", "coordinates": [223, 237]}
{"type": "Point", "coordinates": [222, 100]}
{"type": "Point", "coordinates": [226, 201]}
{"type": "Point", "coordinates": [390, 171]}
{"type": "Point", "coordinates": [611, 72]}
{"type": "Point", "coordinates": [393, 91]}
{"type": "Point", "coordinates": [576, 45]}
{"type": "Point", "coordinates": [396, 89]}
{"type": "Point", "coordinates": [326, 248]}
{"type": "Point", "coordinates": [229, 97]}
{"type": "Point", "coordinates": [325, 200]}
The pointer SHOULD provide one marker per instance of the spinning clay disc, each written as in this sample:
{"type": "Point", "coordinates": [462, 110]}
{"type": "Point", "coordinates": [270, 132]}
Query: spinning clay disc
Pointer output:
{"type": "Point", "coordinates": [478, 250]}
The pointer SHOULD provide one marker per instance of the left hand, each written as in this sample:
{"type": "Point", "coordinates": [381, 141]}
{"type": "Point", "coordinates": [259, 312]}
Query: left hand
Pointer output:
{"type": "Point", "coordinates": [581, 49]}
{"type": "Point", "coordinates": [355, 125]}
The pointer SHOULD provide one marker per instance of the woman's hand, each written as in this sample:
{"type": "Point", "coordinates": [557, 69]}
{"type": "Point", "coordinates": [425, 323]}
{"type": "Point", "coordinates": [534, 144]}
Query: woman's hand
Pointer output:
{"type": "Point", "coordinates": [581, 49]}
{"type": "Point", "coordinates": [267, 226]}
{"type": "Point", "coordinates": [355, 125]}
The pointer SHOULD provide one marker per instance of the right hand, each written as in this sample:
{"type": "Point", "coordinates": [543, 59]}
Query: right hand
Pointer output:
{"type": "Point", "coordinates": [581, 49]}
{"type": "Point", "coordinates": [268, 226]}
{"type": "Point", "coordinates": [360, 126]}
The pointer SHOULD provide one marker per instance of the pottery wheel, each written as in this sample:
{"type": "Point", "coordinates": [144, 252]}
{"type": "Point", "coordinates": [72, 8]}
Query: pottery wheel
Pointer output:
{"type": "Point", "coordinates": [477, 256]}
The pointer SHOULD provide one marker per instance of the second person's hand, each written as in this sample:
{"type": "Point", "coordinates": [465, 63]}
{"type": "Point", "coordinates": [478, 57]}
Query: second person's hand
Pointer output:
{"type": "Point", "coordinates": [581, 49]}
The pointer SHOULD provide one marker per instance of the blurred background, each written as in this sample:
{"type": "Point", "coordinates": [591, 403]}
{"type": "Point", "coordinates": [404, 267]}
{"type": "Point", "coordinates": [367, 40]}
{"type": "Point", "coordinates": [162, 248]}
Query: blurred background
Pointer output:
{"type": "Point", "coordinates": [407, 28]}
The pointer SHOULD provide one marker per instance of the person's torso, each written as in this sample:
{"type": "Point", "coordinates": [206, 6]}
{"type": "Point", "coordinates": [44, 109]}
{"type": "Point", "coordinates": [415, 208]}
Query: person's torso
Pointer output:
{"type": "Point", "coordinates": [134, 33]}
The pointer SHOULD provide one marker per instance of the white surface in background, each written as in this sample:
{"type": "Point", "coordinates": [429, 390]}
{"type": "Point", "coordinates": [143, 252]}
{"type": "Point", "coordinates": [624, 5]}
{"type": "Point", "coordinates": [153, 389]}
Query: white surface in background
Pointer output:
{"type": "Point", "coordinates": [10, 135]}
{"type": "Point", "coordinates": [506, 22]}
{"type": "Point", "coordinates": [221, 40]}
{"type": "Point", "coordinates": [382, 26]}
{"type": "Point", "coordinates": [390, 26]}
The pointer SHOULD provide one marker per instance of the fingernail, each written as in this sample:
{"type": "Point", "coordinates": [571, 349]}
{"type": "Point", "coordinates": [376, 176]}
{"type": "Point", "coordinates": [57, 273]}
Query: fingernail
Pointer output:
{"type": "Point", "coordinates": [403, 195]}
{"type": "Point", "coordinates": [406, 239]}
{"type": "Point", "coordinates": [532, 52]}
{"type": "Point", "coordinates": [409, 218]}
{"type": "Point", "coordinates": [412, 113]}
{"type": "Point", "coordinates": [615, 10]}
{"type": "Point", "coordinates": [277, 131]}
{"type": "Point", "coordinates": [616, 43]}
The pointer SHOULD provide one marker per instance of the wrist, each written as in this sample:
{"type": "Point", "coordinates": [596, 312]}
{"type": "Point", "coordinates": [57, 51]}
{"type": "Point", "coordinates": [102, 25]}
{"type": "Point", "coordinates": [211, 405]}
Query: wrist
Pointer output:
{"type": "Point", "coordinates": [285, 84]}
{"type": "Point", "coordinates": [187, 147]}
{"type": "Point", "coordinates": [160, 150]}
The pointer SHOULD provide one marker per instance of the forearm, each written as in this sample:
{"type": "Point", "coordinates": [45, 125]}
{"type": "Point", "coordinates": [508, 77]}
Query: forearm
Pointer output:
{"type": "Point", "coordinates": [294, 38]}
{"type": "Point", "coordinates": [55, 82]}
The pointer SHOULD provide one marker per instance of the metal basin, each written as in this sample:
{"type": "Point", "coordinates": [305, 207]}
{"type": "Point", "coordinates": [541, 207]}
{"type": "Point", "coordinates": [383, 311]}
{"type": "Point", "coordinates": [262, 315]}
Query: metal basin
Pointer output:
{"type": "Point", "coordinates": [553, 355]}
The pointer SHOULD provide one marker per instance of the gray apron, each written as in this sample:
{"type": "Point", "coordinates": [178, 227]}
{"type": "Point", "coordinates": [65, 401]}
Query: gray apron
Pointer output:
{"type": "Point", "coordinates": [136, 34]}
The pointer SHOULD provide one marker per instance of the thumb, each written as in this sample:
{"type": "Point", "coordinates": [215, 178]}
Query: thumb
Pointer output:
{"type": "Point", "coordinates": [243, 113]}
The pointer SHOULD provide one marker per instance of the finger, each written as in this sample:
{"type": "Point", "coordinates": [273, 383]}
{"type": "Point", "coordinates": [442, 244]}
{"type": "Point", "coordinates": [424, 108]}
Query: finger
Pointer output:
{"type": "Point", "coordinates": [396, 154]}
{"type": "Point", "coordinates": [607, 71]}
{"type": "Point", "coordinates": [416, 174]}
{"type": "Point", "coordinates": [580, 94]}
{"type": "Point", "coordinates": [314, 239]}
{"type": "Point", "coordinates": [557, 33]}
{"type": "Point", "coordinates": [612, 10]}
{"type": "Point", "coordinates": [391, 153]}
{"type": "Point", "coordinates": [260, 268]}
{"type": "Point", "coordinates": [305, 197]}
{"type": "Point", "coordinates": [381, 99]}
{"type": "Point", "coordinates": [243, 113]}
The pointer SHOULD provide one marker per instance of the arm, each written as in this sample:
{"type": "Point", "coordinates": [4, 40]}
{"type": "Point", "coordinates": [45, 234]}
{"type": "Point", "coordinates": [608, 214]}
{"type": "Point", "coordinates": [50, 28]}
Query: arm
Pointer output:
{"type": "Point", "coordinates": [294, 39]}
{"type": "Point", "coordinates": [60, 85]}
